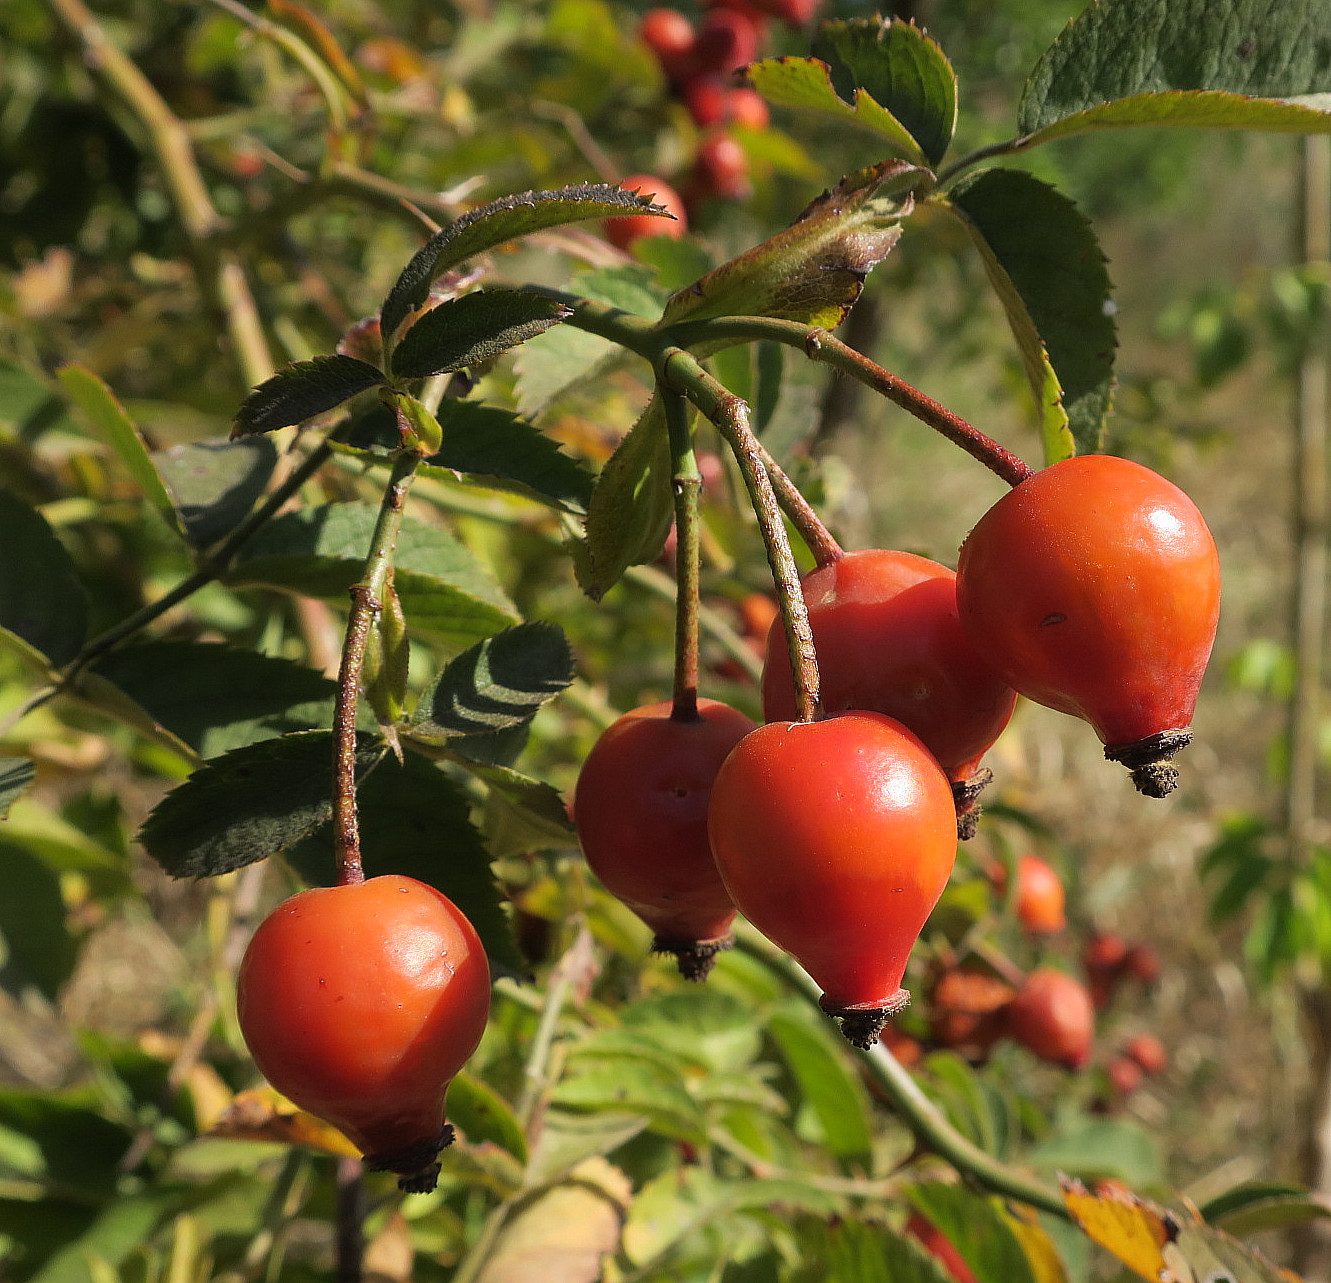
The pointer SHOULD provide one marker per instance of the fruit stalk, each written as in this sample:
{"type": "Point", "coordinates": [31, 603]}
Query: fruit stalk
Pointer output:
{"type": "Point", "coordinates": [681, 370]}
{"type": "Point", "coordinates": [367, 599]}
{"type": "Point", "coordinates": [686, 482]}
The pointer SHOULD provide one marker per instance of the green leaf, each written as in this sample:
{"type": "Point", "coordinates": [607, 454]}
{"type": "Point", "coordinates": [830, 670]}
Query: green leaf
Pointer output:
{"type": "Point", "coordinates": [38, 948]}
{"type": "Point", "coordinates": [415, 821]}
{"type": "Point", "coordinates": [61, 1139]}
{"type": "Point", "coordinates": [1263, 1205]}
{"type": "Point", "coordinates": [500, 449]}
{"type": "Point", "coordinates": [321, 552]}
{"type": "Point", "coordinates": [976, 1228]}
{"type": "Point", "coordinates": [541, 804]}
{"type": "Point", "coordinates": [498, 683]}
{"type": "Point", "coordinates": [214, 484]}
{"type": "Point", "coordinates": [216, 698]}
{"type": "Point", "coordinates": [622, 1083]}
{"type": "Point", "coordinates": [566, 1138]}
{"type": "Point", "coordinates": [860, 1253]}
{"type": "Point", "coordinates": [108, 418]}
{"type": "Point", "coordinates": [814, 270]}
{"type": "Point", "coordinates": [565, 356]}
{"type": "Point", "coordinates": [1103, 1148]}
{"type": "Point", "coordinates": [1045, 264]}
{"type": "Point", "coordinates": [482, 1114]}
{"type": "Point", "coordinates": [246, 805]}
{"type": "Point", "coordinates": [805, 85]}
{"type": "Point", "coordinates": [631, 506]}
{"type": "Point", "coordinates": [16, 774]}
{"type": "Point", "coordinates": [712, 1030]}
{"type": "Point", "coordinates": [42, 601]}
{"type": "Point", "coordinates": [902, 70]}
{"type": "Point", "coordinates": [303, 390]}
{"type": "Point", "coordinates": [502, 220]}
{"type": "Point", "coordinates": [487, 446]}
{"type": "Point", "coordinates": [828, 1086]}
{"type": "Point", "coordinates": [472, 330]}
{"type": "Point", "coordinates": [119, 1228]}
{"type": "Point", "coordinates": [1128, 49]}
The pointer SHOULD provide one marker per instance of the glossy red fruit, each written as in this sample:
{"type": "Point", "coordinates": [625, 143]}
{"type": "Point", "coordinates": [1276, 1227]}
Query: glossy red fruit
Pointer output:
{"type": "Point", "coordinates": [1040, 901]}
{"type": "Point", "coordinates": [624, 231]}
{"type": "Point", "coordinates": [672, 38]}
{"type": "Point", "coordinates": [835, 839]}
{"type": "Point", "coordinates": [721, 169]}
{"type": "Point", "coordinates": [1147, 1052]}
{"type": "Point", "coordinates": [932, 1239]}
{"type": "Point", "coordinates": [640, 809]}
{"type": "Point", "coordinates": [889, 640]}
{"type": "Point", "coordinates": [360, 1003]}
{"type": "Point", "coordinates": [1094, 588]}
{"type": "Point", "coordinates": [1052, 1016]}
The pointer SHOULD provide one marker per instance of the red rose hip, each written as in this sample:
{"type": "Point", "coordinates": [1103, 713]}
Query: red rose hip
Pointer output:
{"type": "Point", "coordinates": [835, 839]}
{"type": "Point", "coordinates": [1052, 1016]}
{"type": "Point", "coordinates": [640, 808]}
{"type": "Point", "coordinates": [360, 1003]}
{"type": "Point", "coordinates": [889, 640]}
{"type": "Point", "coordinates": [1094, 588]}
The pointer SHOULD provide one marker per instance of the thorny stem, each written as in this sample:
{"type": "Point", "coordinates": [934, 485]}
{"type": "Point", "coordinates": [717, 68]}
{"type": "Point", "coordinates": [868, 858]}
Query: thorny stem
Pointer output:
{"type": "Point", "coordinates": [925, 1120]}
{"type": "Point", "coordinates": [686, 482]}
{"type": "Point", "coordinates": [367, 601]}
{"type": "Point", "coordinates": [681, 370]}
{"type": "Point", "coordinates": [820, 345]}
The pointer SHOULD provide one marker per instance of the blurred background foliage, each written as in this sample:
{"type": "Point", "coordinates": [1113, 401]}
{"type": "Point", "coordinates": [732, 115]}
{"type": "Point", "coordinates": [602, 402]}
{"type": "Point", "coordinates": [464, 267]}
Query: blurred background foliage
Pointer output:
{"type": "Point", "coordinates": [724, 1131]}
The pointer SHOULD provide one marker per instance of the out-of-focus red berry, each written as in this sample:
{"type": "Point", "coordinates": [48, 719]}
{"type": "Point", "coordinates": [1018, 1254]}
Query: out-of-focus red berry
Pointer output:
{"type": "Point", "coordinates": [727, 40]}
{"type": "Point", "coordinates": [1040, 902]}
{"type": "Point", "coordinates": [1124, 1074]}
{"type": "Point", "coordinates": [672, 38]}
{"type": "Point", "coordinates": [1142, 963]}
{"type": "Point", "coordinates": [1148, 1052]}
{"type": "Point", "coordinates": [707, 100]}
{"type": "Point", "coordinates": [1052, 1016]}
{"type": "Point", "coordinates": [748, 109]}
{"type": "Point", "coordinates": [721, 169]}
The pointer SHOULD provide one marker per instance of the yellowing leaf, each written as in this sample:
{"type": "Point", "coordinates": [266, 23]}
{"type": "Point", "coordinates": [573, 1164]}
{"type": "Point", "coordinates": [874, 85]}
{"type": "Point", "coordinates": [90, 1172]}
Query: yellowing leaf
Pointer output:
{"type": "Point", "coordinates": [264, 1114]}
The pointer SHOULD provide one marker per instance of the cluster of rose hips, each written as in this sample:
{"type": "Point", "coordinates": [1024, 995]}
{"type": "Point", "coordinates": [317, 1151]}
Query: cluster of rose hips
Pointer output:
{"type": "Point", "coordinates": [1091, 587]}
{"type": "Point", "coordinates": [701, 62]}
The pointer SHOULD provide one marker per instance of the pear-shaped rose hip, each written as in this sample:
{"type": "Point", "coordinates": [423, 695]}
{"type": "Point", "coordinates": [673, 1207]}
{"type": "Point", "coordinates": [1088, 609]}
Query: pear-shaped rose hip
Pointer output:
{"type": "Point", "coordinates": [1094, 587]}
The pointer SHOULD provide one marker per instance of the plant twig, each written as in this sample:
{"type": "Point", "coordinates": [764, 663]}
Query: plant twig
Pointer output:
{"type": "Point", "coordinates": [367, 601]}
{"type": "Point", "coordinates": [681, 370]}
{"type": "Point", "coordinates": [916, 1110]}
{"type": "Point", "coordinates": [820, 345]}
{"type": "Point", "coordinates": [686, 482]}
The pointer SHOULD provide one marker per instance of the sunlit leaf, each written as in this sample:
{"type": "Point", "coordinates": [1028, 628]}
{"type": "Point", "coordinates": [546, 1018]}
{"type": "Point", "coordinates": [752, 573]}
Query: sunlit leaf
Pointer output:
{"type": "Point", "coordinates": [303, 390]}
{"type": "Point", "coordinates": [472, 330]}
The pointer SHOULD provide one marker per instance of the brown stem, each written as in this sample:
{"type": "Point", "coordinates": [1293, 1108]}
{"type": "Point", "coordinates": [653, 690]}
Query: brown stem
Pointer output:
{"type": "Point", "coordinates": [687, 484]}
{"type": "Point", "coordinates": [820, 345]}
{"type": "Point", "coordinates": [350, 1221]}
{"type": "Point", "coordinates": [367, 600]}
{"type": "Point", "coordinates": [681, 370]}
{"type": "Point", "coordinates": [818, 539]}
